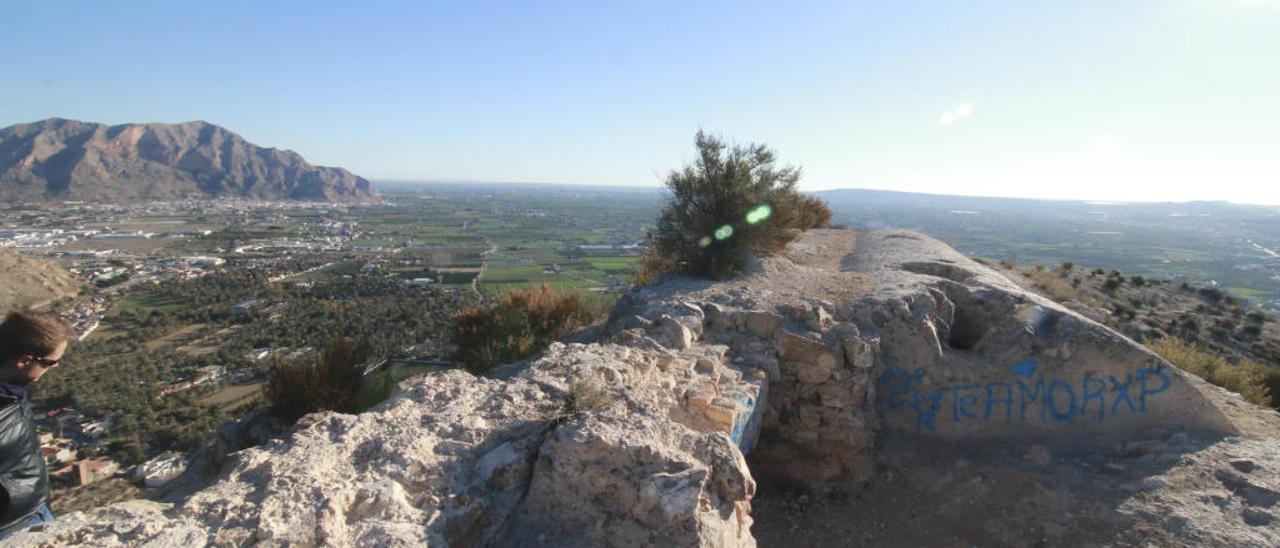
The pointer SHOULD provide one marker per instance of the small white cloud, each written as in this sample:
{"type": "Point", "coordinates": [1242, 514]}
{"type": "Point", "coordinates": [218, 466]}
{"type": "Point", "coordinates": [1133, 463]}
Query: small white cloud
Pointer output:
{"type": "Point", "coordinates": [954, 115]}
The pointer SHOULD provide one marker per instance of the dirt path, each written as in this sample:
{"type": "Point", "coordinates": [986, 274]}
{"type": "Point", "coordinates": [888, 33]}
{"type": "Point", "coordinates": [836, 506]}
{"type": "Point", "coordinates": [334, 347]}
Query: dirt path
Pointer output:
{"type": "Point", "coordinates": [484, 264]}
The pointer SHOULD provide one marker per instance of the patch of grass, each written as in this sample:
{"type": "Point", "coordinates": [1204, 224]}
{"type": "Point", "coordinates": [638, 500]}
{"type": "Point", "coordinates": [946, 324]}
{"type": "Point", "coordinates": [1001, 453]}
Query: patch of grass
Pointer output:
{"type": "Point", "coordinates": [522, 322]}
{"type": "Point", "coordinates": [1058, 288]}
{"type": "Point", "coordinates": [585, 395]}
{"type": "Point", "coordinates": [233, 397]}
{"type": "Point", "coordinates": [1258, 383]}
{"type": "Point", "coordinates": [150, 301]}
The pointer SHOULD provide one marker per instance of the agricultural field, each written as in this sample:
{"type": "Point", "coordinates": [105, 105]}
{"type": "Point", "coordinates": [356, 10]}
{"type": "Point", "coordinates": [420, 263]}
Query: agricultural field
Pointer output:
{"type": "Point", "coordinates": [512, 236]}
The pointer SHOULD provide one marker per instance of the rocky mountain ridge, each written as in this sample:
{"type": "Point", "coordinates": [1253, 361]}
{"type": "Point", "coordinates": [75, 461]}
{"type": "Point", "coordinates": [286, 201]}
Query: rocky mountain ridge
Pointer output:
{"type": "Point", "coordinates": [881, 374]}
{"type": "Point", "coordinates": [59, 159]}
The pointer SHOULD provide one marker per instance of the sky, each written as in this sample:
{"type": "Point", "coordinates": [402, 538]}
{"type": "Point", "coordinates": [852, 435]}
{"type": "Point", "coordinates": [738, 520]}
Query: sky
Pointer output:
{"type": "Point", "coordinates": [1162, 100]}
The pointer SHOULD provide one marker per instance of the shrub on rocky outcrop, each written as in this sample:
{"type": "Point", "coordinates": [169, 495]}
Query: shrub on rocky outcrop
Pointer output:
{"type": "Point", "coordinates": [516, 326]}
{"type": "Point", "coordinates": [329, 382]}
{"type": "Point", "coordinates": [731, 201]}
{"type": "Point", "coordinates": [585, 395]}
{"type": "Point", "coordinates": [652, 264]}
{"type": "Point", "coordinates": [1256, 382]}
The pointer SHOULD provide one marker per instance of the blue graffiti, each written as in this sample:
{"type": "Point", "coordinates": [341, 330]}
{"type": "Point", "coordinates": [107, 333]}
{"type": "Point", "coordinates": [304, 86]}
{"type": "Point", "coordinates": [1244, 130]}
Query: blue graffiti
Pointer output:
{"type": "Point", "coordinates": [1042, 399]}
{"type": "Point", "coordinates": [1025, 369]}
{"type": "Point", "coordinates": [746, 427]}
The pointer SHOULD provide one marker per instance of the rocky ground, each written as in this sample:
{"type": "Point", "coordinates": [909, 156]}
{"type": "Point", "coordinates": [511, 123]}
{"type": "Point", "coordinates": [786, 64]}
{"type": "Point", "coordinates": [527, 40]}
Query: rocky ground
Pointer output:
{"type": "Point", "coordinates": [1151, 309]}
{"type": "Point", "coordinates": [1163, 487]}
{"type": "Point", "coordinates": [94, 495]}
{"type": "Point", "coordinates": [28, 282]}
{"type": "Point", "coordinates": [858, 390]}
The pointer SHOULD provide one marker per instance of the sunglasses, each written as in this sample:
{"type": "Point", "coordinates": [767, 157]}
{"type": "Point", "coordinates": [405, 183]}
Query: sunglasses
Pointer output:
{"type": "Point", "coordinates": [45, 362]}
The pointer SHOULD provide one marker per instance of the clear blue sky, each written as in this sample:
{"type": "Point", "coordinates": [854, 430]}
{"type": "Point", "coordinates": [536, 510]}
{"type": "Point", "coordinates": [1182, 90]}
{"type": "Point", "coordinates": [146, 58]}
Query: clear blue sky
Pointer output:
{"type": "Point", "coordinates": [1109, 100]}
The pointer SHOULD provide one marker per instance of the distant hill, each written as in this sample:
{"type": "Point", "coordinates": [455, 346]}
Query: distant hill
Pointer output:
{"type": "Point", "coordinates": [59, 159]}
{"type": "Point", "coordinates": [25, 282]}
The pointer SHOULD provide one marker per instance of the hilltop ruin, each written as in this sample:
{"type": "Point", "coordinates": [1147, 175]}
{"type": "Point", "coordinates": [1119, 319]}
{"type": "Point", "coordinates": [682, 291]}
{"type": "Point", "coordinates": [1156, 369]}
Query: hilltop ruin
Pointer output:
{"type": "Point", "coordinates": [811, 371]}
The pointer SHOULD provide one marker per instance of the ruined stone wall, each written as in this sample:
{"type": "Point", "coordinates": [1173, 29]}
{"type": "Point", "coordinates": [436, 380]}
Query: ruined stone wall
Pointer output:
{"type": "Point", "coordinates": [965, 354]}
{"type": "Point", "coordinates": [810, 421]}
{"type": "Point", "coordinates": [795, 367]}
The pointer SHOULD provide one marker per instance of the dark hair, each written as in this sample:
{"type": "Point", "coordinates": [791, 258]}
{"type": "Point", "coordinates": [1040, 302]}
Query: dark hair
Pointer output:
{"type": "Point", "coordinates": [28, 332]}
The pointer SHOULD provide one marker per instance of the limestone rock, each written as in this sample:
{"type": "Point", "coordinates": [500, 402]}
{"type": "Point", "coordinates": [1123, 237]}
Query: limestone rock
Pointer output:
{"type": "Point", "coordinates": [456, 460]}
{"type": "Point", "coordinates": [718, 318]}
{"type": "Point", "coordinates": [761, 324]}
{"type": "Point", "coordinates": [679, 334]}
{"type": "Point", "coordinates": [803, 349]}
{"type": "Point", "coordinates": [904, 338]}
{"type": "Point", "coordinates": [812, 374]}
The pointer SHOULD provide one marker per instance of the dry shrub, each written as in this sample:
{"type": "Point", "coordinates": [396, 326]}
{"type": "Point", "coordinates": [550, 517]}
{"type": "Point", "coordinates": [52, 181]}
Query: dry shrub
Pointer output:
{"type": "Point", "coordinates": [552, 314]}
{"type": "Point", "coordinates": [651, 266]}
{"type": "Point", "coordinates": [1059, 289]}
{"type": "Point", "coordinates": [731, 201]}
{"type": "Point", "coordinates": [1258, 383]}
{"type": "Point", "coordinates": [485, 335]}
{"type": "Point", "coordinates": [585, 395]}
{"type": "Point", "coordinates": [328, 382]}
{"type": "Point", "coordinates": [804, 212]}
{"type": "Point", "coordinates": [519, 324]}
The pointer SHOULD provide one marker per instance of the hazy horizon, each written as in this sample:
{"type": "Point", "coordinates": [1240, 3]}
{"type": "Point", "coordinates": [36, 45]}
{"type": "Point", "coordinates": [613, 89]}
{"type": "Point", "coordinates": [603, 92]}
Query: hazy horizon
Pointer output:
{"type": "Point", "coordinates": [1138, 101]}
{"type": "Point", "coordinates": [657, 186]}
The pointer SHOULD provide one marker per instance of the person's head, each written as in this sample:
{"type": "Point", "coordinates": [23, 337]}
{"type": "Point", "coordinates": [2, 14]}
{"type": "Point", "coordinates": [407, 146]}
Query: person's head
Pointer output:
{"type": "Point", "coordinates": [31, 343]}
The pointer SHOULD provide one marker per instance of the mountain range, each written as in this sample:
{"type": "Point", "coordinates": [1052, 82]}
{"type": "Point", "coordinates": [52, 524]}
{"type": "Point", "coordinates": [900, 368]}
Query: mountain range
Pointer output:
{"type": "Point", "coordinates": [59, 159]}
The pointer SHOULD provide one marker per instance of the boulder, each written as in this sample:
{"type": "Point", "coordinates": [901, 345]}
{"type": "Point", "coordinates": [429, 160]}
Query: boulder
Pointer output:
{"type": "Point", "coordinates": [680, 335]}
{"type": "Point", "coordinates": [761, 323]}
{"type": "Point", "coordinates": [803, 349]}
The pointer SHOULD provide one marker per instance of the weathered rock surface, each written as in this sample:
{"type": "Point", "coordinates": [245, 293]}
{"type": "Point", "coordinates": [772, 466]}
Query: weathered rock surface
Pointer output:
{"type": "Point", "coordinates": [456, 460]}
{"type": "Point", "coordinates": [809, 365]}
{"type": "Point", "coordinates": [968, 353]}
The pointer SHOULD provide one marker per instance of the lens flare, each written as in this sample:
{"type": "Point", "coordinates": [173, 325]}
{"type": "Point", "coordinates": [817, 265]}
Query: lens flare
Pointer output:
{"type": "Point", "coordinates": [1034, 318]}
{"type": "Point", "coordinates": [705, 241]}
{"type": "Point", "coordinates": [724, 232]}
{"type": "Point", "coordinates": [759, 214]}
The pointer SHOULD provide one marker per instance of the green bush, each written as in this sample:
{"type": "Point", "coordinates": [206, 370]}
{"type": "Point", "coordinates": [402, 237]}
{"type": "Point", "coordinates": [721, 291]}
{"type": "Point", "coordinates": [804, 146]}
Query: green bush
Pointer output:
{"type": "Point", "coordinates": [1212, 293]}
{"type": "Point", "coordinates": [329, 382]}
{"type": "Point", "coordinates": [731, 201]}
{"type": "Point", "coordinates": [518, 325]}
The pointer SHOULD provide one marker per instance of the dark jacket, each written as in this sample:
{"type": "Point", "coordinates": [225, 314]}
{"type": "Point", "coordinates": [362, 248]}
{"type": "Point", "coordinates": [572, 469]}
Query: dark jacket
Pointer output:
{"type": "Point", "coordinates": [24, 480]}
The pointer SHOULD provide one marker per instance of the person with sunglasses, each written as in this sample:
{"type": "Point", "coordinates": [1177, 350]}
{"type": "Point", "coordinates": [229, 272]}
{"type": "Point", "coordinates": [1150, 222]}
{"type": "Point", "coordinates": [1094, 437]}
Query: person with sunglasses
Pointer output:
{"type": "Point", "coordinates": [30, 345]}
